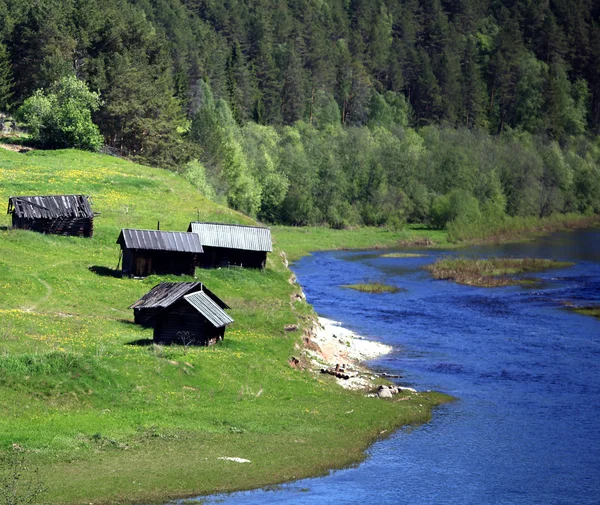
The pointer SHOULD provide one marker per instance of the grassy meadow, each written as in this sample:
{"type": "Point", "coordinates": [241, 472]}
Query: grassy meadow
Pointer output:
{"type": "Point", "coordinates": [107, 416]}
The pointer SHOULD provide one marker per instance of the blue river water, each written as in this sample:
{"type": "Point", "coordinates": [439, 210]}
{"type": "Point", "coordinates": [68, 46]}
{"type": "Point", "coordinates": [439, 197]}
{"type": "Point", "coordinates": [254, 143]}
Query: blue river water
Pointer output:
{"type": "Point", "coordinates": [526, 372]}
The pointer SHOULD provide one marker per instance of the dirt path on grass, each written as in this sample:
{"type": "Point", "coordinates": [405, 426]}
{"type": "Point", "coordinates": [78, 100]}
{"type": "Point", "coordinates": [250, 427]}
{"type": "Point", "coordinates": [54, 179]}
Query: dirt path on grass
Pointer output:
{"type": "Point", "coordinates": [16, 148]}
{"type": "Point", "coordinates": [49, 291]}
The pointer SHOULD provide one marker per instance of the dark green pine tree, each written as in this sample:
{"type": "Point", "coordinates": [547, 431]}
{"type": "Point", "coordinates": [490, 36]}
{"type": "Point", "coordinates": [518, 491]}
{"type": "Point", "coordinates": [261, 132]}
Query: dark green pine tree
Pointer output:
{"type": "Point", "coordinates": [593, 77]}
{"type": "Point", "coordinates": [473, 111]}
{"type": "Point", "coordinates": [504, 72]}
{"type": "Point", "coordinates": [380, 45]}
{"type": "Point", "coordinates": [550, 42]}
{"type": "Point", "coordinates": [427, 96]}
{"type": "Point", "coordinates": [6, 80]}
{"type": "Point", "coordinates": [293, 98]}
{"type": "Point", "coordinates": [240, 85]}
{"type": "Point", "coordinates": [268, 103]}
{"type": "Point", "coordinates": [41, 47]}
{"type": "Point", "coordinates": [406, 26]}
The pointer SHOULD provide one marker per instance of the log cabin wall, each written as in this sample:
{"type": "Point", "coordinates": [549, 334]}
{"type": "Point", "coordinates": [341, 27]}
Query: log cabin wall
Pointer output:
{"type": "Point", "coordinates": [82, 227]}
{"type": "Point", "coordinates": [184, 325]}
{"type": "Point", "coordinates": [214, 257]}
{"type": "Point", "coordinates": [144, 316]}
{"type": "Point", "coordinates": [54, 214]}
{"type": "Point", "coordinates": [141, 263]}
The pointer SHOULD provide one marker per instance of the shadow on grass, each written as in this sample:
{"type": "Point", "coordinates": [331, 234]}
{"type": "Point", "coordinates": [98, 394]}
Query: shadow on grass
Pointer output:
{"type": "Point", "coordinates": [5, 228]}
{"type": "Point", "coordinates": [127, 321]}
{"type": "Point", "coordinates": [105, 271]}
{"type": "Point", "coordinates": [142, 342]}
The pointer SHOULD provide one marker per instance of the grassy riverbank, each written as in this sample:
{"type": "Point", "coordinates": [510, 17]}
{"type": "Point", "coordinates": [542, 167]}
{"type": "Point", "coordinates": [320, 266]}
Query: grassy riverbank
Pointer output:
{"type": "Point", "coordinates": [298, 242]}
{"type": "Point", "coordinates": [493, 272]}
{"type": "Point", "coordinates": [110, 418]}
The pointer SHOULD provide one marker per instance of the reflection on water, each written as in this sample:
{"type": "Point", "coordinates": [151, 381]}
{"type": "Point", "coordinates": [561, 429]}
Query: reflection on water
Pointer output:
{"type": "Point", "coordinates": [527, 374]}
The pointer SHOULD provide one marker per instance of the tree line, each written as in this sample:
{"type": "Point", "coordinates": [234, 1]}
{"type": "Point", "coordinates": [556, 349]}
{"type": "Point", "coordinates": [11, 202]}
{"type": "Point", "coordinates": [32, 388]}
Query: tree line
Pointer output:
{"type": "Point", "coordinates": [332, 112]}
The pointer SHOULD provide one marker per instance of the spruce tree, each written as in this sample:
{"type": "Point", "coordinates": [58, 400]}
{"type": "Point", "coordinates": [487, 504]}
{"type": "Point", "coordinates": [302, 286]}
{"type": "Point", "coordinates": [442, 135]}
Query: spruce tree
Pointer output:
{"type": "Point", "coordinates": [6, 80]}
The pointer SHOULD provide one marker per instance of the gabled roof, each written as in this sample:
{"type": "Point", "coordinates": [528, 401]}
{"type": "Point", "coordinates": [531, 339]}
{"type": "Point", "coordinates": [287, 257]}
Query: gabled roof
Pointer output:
{"type": "Point", "coordinates": [50, 207]}
{"type": "Point", "coordinates": [208, 308]}
{"type": "Point", "coordinates": [233, 236]}
{"type": "Point", "coordinates": [160, 240]}
{"type": "Point", "coordinates": [167, 293]}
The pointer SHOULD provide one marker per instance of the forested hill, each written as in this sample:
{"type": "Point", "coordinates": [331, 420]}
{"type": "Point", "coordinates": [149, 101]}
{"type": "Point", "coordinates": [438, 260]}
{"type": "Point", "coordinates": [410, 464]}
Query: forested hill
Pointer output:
{"type": "Point", "coordinates": [334, 111]}
{"type": "Point", "coordinates": [488, 63]}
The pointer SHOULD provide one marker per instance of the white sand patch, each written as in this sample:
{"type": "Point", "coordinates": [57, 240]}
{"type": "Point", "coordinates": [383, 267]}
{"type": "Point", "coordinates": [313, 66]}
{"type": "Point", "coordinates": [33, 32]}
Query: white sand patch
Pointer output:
{"type": "Point", "coordinates": [340, 346]}
{"type": "Point", "coordinates": [235, 460]}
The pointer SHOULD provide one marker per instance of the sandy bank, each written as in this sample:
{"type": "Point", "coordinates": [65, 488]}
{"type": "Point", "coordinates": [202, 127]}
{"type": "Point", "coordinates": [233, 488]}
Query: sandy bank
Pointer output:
{"type": "Point", "coordinates": [332, 344]}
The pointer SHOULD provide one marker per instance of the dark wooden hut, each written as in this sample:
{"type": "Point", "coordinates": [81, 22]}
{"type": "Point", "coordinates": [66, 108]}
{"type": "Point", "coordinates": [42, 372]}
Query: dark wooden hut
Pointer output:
{"type": "Point", "coordinates": [146, 252]}
{"type": "Point", "coordinates": [57, 214]}
{"type": "Point", "coordinates": [182, 313]}
{"type": "Point", "coordinates": [165, 294]}
{"type": "Point", "coordinates": [232, 244]}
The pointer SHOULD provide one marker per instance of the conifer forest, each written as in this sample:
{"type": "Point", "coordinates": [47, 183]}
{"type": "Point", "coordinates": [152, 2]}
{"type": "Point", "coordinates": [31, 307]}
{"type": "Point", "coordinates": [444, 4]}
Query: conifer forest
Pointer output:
{"type": "Point", "coordinates": [334, 112]}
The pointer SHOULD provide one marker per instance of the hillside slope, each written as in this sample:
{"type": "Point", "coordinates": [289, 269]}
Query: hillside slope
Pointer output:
{"type": "Point", "coordinates": [110, 418]}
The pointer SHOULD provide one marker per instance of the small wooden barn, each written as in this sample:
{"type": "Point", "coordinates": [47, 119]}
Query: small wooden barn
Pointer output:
{"type": "Point", "coordinates": [146, 252]}
{"type": "Point", "coordinates": [232, 244]}
{"type": "Point", "coordinates": [57, 214]}
{"type": "Point", "coordinates": [184, 313]}
{"type": "Point", "coordinates": [165, 294]}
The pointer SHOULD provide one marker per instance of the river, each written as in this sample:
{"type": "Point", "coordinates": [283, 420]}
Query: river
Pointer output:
{"type": "Point", "coordinates": [526, 372]}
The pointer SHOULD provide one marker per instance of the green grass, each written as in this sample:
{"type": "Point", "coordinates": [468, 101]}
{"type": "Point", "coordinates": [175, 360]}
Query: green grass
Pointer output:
{"type": "Point", "coordinates": [110, 420]}
{"type": "Point", "coordinates": [589, 310]}
{"type": "Point", "coordinates": [373, 287]}
{"type": "Point", "coordinates": [516, 228]}
{"type": "Point", "coordinates": [493, 272]}
{"type": "Point", "coordinates": [298, 242]}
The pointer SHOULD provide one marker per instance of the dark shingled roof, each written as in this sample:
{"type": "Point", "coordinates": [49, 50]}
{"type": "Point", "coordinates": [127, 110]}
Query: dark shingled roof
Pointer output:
{"type": "Point", "coordinates": [160, 240]}
{"type": "Point", "coordinates": [233, 236]}
{"type": "Point", "coordinates": [167, 293]}
{"type": "Point", "coordinates": [50, 207]}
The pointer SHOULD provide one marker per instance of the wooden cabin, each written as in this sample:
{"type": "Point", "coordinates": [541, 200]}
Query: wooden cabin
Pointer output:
{"type": "Point", "coordinates": [184, 314]}
{"type": "Point", "coordinates": [165, 294]}
{"type": "Point", "coordinates": [232, 244]}
{"type": "Point", "coordinates": [146, 252]}
{"type": "Point", "coordinates": [56, 214]}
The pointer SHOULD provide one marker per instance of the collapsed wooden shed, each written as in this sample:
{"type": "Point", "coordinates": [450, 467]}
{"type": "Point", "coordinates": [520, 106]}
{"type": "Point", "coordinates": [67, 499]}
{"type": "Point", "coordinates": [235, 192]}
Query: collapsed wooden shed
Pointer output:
{"type": "Point", "coordinates": [56, 214]}
{"type": "Point", "coordinates": [232, 244]}
{"type": "Point", "coordinates": [146, 252]}
{"type": "Point", "coordinates": [165, 294]}
{"type": "Point", "coordinates": [184, 313]}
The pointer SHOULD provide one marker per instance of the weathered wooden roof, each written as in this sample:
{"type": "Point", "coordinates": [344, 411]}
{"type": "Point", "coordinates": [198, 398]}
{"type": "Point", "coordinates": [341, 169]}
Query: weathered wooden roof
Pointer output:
{"type": "Point", "coordinates": [160, 240]}
{"type": "Point", "coordinates": [50, 206]}
{"type": "Point", "coordinates": [233, 236]}
{"type": "Point", "coordinates": [167, 293]}
{"type": "Point", "coordinates": [208, 308]}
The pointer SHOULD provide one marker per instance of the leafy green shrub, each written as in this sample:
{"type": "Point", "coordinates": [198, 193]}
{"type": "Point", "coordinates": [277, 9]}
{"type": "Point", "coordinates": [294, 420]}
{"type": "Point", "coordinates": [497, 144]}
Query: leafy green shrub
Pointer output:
{"type": "Point", "coordinates": [195, 173]}
{"type": "Point", "coordinates": [62, 116]}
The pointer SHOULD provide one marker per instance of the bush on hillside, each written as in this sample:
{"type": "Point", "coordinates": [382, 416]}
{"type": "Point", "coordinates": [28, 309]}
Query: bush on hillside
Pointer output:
{"type": "Point", "coordinates": [61, 117]}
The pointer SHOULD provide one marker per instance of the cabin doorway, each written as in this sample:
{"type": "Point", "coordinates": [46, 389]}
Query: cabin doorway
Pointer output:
{"type": "Point", "coordinates": [143, 267]}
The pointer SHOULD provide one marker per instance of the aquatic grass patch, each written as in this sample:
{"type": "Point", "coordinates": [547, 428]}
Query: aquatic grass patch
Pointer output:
{"type": "Point", "coordinates": [491, 272]}
{"type": "Point", "coordinates": [373, 287]}
{"type": "Point", "coordinates": [585, 310]}
{"type": "Point", "coordinates": [402, 255]}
